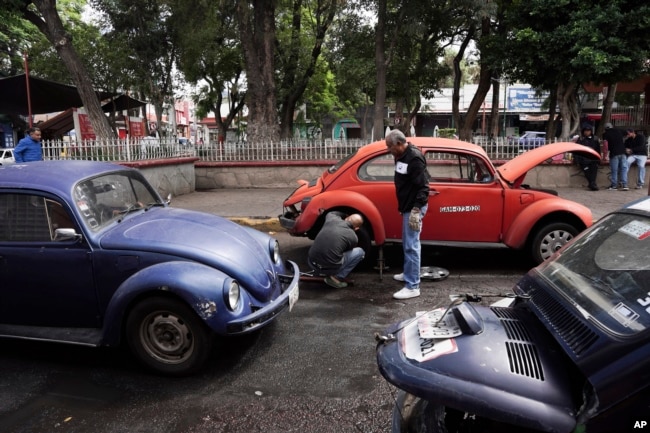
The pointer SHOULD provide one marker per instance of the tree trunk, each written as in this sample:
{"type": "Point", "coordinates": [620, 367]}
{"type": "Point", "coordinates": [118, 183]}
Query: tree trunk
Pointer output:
{"type": "Point", "coordinates": [49, 23]}
{"type": "Point", "coordinates": [257, 35]}
{"type": "Point", "coordinates": [607, 108]}
{"type": "Point", "coordinates": [494, 112]}
{"type": "Point", "coordinates": [378, 130]}
{"type": "Point", "coordinates": [551, 127]}
{"type": "Point", "coordinates": [568, 109]}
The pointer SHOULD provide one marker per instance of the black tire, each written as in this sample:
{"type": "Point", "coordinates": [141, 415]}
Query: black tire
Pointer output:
{"type": "Point", "coordinates": [167, 336]}
{"type": "Point", "coordinates": [550, 238]}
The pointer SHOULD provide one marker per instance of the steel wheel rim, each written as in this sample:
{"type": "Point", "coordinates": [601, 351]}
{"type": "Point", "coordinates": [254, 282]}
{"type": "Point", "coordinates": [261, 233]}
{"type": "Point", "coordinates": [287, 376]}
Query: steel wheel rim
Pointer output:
{"type": "Point", "coordinates": [166, 337]}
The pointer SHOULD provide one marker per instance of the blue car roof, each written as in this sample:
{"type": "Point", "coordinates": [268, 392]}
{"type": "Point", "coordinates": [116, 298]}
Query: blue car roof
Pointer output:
{"type": "Point", "coordinates": [57, 177]}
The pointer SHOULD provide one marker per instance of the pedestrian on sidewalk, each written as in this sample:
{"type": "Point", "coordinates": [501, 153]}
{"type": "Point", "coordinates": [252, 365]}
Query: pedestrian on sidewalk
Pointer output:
{"type": "Point", "coordinates": [334, 252]}
{"type": "Point", "coordinates": [412, 188]}
{"type": "Point", "coordinates": [588, 164]}
{"type": "Point", "coordinates": [29, 148]}
{"type": "Point", "coordinates": [617, 157]}
{"type": "Point", "coordinates": [637, 153]}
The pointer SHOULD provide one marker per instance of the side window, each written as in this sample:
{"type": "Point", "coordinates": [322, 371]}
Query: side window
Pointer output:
{"type": "Point", "coordinates": [457, 168]}
{"type": "Point", "coordinates": [24, 218]}
{"type": "Point", "coordinates": [378, 169]}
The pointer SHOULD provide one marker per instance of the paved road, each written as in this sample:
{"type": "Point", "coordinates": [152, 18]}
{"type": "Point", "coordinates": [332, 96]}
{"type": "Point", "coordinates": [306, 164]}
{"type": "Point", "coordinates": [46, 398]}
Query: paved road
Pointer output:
{"type": "Point", "coordinates": [313, 370]}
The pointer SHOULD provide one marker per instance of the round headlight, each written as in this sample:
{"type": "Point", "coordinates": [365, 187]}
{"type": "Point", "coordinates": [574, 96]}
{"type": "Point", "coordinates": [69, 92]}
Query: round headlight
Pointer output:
{"type": "Point", "coordinates": [275, 251]}
{"type": "Point", "coordinates": [232, 295]}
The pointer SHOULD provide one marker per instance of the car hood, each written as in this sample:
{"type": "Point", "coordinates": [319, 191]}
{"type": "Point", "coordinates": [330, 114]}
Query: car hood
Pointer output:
{"type": "Point", "coordinates": [519, 166]}
{"type": "Point", "coordinates": [200, 237]}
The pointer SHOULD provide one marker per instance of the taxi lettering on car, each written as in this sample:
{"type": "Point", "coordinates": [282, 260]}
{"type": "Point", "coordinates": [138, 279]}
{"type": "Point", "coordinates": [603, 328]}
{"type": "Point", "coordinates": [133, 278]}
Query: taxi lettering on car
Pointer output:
{"type": "Point", "coordinates": [470, 200]}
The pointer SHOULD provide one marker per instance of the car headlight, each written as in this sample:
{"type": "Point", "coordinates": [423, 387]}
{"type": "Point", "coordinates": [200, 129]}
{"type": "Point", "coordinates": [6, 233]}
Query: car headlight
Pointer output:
{"type": "Point", "coordinates": [232, 294]}
{"type": "Point", "coordinates": [274, 250]}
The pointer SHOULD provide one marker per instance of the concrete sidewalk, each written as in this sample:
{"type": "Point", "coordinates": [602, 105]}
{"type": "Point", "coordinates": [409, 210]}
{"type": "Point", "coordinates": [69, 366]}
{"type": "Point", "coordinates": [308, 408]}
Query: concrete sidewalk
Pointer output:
{"type": "Point", "coordinates": [260, 207]}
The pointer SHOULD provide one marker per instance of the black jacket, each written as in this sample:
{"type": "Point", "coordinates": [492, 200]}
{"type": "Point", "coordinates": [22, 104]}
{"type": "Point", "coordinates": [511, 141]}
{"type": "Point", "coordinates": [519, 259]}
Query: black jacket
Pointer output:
{"type": "Point", "coordinates": [411, 180]}
{"type": "Point", "coordinates": [637, 145]}
{"type": "Point", "coordinates": [614, 139]}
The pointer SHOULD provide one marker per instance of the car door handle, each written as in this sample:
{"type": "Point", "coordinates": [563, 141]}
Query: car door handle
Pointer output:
{"type": "Point", "coordinates": [434, 192]}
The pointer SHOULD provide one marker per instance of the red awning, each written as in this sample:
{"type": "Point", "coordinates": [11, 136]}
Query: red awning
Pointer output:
{"type": "Point", "coordinates": [613, 116]}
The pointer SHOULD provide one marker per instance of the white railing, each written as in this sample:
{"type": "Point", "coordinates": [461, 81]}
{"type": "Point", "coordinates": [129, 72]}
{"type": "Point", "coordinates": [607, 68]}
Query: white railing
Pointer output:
{"type": "Point", "coordinates": [116, 149]}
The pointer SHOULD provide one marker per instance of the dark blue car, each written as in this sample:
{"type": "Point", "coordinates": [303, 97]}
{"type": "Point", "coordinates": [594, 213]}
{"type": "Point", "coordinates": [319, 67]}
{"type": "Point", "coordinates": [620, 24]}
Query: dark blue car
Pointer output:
{"type": "Point", "coordinates": [570, 354]}
{"type": "Point", "coordinates": [91, 255]}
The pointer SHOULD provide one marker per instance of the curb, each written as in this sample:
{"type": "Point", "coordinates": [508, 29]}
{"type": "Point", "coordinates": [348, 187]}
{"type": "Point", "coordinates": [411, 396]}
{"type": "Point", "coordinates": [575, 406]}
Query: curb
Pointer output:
{"type": "Point", "coordinates": [265, 224]}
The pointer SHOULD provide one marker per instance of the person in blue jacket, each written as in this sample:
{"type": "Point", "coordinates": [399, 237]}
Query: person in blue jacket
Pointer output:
{"type": "Point", "coordinates": [29, 148]}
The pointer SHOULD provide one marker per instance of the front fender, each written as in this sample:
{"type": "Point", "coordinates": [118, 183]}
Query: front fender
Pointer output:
{"type": "Point", "coordinates": [517, 234]}
{"type": "Point", "coordinates": [328, 201]}
{"type": "Point", "coordinates": [198, 285]}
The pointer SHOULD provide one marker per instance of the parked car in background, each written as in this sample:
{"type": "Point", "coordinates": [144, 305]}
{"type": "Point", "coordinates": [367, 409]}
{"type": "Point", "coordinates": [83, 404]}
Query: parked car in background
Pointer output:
{"type": "Point", "coordinates": [471, 201]}
{"type": "Point", "coordinates": [7, 157]}
{"type": "Point", "coordinates": [531, 140]}
{"type": "Point", "coordinates": [90, 254]}
{"type": "Point", "coordinates": [568, 354]}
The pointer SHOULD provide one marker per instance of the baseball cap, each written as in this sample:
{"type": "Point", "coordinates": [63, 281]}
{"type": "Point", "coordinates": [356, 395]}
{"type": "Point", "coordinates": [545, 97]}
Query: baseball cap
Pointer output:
{"type": "Point", "coordinates": [608, 125]}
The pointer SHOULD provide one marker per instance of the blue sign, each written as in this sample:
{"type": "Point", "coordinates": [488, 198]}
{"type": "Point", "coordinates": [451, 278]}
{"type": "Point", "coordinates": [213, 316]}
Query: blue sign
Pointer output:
{"type": "Point", "coordinates": [525, 99]}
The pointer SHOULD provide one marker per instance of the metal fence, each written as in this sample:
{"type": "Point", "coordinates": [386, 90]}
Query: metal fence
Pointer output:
{"type": "Point", "coordinates": [116, 149]}
{"type": "Point", "coordinates": [289, 150]}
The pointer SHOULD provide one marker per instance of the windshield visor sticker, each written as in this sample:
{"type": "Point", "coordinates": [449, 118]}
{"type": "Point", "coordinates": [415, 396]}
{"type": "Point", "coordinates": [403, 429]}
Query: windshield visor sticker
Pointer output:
{"type": "Point", "coordinates": [424, 349]}
{"type": "Point", "coordinates": [636, 229]}
{"type": "Point", "coordinates": [643, 205]}
{"type": "Point", "coordinates": [460, 209]}
{"type": "Point", "coordinates": [624, 315]}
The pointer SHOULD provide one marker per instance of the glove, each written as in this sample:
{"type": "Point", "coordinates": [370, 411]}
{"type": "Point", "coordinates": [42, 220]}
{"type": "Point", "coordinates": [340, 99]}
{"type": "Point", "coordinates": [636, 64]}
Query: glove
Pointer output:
{"type": "Point", "coordinates": [415, 220]}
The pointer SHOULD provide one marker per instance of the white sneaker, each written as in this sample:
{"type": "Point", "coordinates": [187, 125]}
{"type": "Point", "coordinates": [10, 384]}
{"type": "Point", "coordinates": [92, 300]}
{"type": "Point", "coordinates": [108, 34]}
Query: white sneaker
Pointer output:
{"type": "Point", "coordinates": [398, 277]}
{"type": "Point", "coordinates": [407, 293]}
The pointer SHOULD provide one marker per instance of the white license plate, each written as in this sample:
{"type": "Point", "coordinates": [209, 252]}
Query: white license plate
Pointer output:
{"type": "Point", "coordinates": [293, 297]}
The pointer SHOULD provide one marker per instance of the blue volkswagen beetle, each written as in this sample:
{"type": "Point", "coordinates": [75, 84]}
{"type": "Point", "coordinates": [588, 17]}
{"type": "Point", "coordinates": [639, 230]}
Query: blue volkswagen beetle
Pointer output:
{"type": "Point", "coordinates": [569, 354]}
{"type": "Point", "coordinates": [91, 255]}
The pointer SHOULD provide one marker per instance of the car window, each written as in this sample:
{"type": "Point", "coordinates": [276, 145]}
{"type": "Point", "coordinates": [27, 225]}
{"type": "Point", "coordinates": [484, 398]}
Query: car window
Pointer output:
{"type": "Point", "coordinates": [106, 198]}
{"type": "Point", "coordinates": [380, 168]}
{"type": "Point", "coordinates": [457, 168]}
{"type": "Point", "coordinates": [607, 273]}
{"type": "Point", "coordinates": [30, 218]}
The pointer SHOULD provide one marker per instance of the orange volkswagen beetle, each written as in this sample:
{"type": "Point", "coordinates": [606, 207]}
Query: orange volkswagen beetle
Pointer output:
{"type": "Point", "coordinates": [470, 200]}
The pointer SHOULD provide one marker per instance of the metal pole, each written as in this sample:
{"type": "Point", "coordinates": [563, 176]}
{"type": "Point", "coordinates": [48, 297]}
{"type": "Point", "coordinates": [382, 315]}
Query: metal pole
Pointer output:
{"type": "Point", "coordinates": [505, 102]}
{"type": "Point", "coordinates": [29, 97]}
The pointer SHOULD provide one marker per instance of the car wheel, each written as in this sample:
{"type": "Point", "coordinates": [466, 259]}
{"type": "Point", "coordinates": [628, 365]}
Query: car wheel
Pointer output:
{"type": "Point", "coordinates": [551, 238]}
{"type": "Point", "coordinates": [411, 414]}
{"type": "Point", "coordinates": [167, 336]}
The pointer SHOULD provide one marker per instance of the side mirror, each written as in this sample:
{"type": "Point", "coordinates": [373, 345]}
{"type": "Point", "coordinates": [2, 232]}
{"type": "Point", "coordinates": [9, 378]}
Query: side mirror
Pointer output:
{"type": "Point", "coordinates": [66, 234]}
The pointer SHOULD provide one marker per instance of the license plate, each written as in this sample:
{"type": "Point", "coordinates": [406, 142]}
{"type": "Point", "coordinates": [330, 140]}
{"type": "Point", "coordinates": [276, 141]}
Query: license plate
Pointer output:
{"type": "Point", "coordinates": [293, 297]}
{"type": "Point", "coordinates": [430, 325]}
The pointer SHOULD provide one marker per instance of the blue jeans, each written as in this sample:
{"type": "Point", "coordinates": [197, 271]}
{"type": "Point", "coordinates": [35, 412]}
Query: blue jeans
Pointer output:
{"type": "Point", "coordinates": [412, 249]}
{"type": "Point", "coordinates": [640, 162]}
{"type": "Point", "coordinates": [350, 260]}
{"type": "Point", "coordinates": [618, 165]}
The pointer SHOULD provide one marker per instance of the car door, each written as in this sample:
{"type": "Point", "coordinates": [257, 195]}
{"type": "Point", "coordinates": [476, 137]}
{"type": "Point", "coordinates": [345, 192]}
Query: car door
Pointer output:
{"type": "Point", "coordinates": [465, 199]}
{"type": "Point", "coordinates": [43, 281]}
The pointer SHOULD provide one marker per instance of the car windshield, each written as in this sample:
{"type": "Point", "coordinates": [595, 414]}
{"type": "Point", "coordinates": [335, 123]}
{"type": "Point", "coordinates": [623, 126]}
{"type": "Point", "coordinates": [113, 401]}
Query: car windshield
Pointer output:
{"type": "Point", "coordinates": [341, 163]}
{"type": "Point", "coordinates": [606, 273]}
{"type": "Point", "coordinates": [104, 199]}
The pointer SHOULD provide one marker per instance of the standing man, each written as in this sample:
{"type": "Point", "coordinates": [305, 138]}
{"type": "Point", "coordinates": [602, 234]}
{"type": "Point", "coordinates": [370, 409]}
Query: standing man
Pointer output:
{"type": "Point", "coordinates": [412, 189]}
{"type": "Point", "coordinates": [617, 157]}
{"type": "Point", "coordinates": [588, 164]}
{"type": "Point", "coordinates": [335, 252]}
{"type": "Point", "coordinates": [29, 148]}
{"type": "Point", "coordinates": [637, 152]}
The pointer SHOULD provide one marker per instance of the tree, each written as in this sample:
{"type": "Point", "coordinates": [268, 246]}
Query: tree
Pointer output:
{"type": "Point", "coordinates": [44, 15]}
{"type": "Point", "coordinates": [256, 20]}
{"type": "Point", "coordinates": [143, 30]}
{"type": "Point", "coordinates": [301, 35]}
{"type": "Point", "coordinates": [601, 41]}
{"type": "Point", "coordinates": [211, 57]}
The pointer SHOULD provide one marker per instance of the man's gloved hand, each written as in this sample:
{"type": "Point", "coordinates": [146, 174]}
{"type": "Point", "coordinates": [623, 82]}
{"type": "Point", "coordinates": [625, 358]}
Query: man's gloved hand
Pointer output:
{"type": "Point", "coordinates": [415, 220]}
